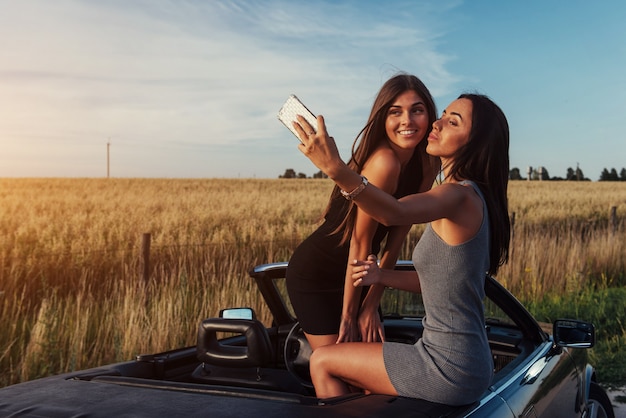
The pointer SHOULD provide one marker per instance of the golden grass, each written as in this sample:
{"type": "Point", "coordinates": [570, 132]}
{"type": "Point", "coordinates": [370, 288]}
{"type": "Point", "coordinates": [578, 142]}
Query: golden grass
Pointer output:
{"type": "Point", "coordinates": [564, 237]}
{"type": "Point", "coordinates": [72, 294]}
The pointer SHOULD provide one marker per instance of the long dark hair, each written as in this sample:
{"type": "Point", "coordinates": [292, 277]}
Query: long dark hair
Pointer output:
{"type": "Point", "coordinates": [374, 133]}
{"type": "Point", "coordinates": [485, 160]}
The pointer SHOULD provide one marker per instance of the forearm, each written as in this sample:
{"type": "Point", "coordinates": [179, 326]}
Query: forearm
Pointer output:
{"type": "Point", "coordinates": [388, 260]}
{"type": "Point", "coordinates": [351, 298]}
{"type": "Point", "coordinates": [360, 248]}
{"type": "Point", "coordinates": [403, 280]}
{"type": "Point", "coordinates": [380, 205]}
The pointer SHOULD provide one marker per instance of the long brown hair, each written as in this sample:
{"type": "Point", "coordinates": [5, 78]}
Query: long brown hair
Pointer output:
{"type": "Point", "coordinates": [374, 133]}
{"type": "Point", "coordinates": [485, 161]}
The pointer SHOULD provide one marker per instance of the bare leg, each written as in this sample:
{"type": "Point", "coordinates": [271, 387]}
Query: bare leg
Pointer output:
{"type": "Point", "coordinates": [316, 341]}
{"type": "Point", "coordinates": [334, 367]}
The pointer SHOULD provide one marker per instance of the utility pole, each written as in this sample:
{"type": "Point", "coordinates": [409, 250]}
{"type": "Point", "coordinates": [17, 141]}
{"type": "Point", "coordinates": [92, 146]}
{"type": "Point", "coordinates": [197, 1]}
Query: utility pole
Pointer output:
{"type": "Point", "coordinates": [108, 157]}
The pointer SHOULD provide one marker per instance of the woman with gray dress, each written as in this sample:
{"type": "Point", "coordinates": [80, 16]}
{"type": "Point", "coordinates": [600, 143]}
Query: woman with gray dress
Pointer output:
{"type": "Point", "coordinates": [467, 236]}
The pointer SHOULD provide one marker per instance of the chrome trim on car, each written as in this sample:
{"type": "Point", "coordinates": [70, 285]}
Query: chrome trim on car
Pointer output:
{"type": "Point", "coordinates": [262, 268]}
{"type": "Point", "coordinates": [542, 351]}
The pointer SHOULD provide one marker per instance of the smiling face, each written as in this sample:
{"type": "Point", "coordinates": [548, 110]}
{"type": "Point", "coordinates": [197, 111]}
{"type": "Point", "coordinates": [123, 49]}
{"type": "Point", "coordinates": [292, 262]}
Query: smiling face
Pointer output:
{"type": "Point", "coordinates": [407, 122]}
{"type": "Point", "coordinates": [451, 131]}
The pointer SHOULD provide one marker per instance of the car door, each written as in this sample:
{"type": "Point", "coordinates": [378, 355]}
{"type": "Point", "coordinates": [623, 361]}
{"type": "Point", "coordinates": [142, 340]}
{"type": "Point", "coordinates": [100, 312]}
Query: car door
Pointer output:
{"type": "Point", "coordinates": [546, 386]}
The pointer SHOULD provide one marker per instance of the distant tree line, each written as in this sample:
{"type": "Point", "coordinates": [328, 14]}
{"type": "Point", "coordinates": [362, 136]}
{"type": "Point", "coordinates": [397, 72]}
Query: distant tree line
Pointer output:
{"type": "Point", "coordinates": [537, 173]}
{"type": "Point", "coordinates": [607, 175]}
{"type": "Point", "coordinates": [541, 173]}
{"type": "Point", "coordinates": [290, 173]}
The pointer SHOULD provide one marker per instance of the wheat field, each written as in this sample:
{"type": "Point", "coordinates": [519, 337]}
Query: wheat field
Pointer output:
{"type": "Point", "coordinates": [73, 292]}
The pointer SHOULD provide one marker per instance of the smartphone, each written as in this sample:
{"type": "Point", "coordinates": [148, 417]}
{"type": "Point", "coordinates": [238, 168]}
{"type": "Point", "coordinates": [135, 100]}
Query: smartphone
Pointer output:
{"type": "Point", "coordinates": [292, 107]}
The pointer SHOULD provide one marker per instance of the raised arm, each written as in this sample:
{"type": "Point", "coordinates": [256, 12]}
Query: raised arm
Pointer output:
{"type": "Point", "coordinates": [321, 149]}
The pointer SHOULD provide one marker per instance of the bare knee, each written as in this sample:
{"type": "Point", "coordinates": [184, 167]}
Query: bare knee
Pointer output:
{"type": "Point", "coordinates": [322, 363]}
{"type": "Point", "coordinates": [316, 362]}
{"type": "Point", "coordinates": [324, 380]}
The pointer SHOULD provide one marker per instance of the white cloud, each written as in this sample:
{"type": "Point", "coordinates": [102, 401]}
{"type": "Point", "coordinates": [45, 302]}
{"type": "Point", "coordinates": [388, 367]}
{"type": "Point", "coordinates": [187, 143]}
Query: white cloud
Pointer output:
{"type": "Point", "coordinates": [155, 73]}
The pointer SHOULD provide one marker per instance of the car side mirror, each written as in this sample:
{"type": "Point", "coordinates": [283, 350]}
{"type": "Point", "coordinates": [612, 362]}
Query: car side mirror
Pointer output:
{"type": "Point", "coordinates": [574, 333]}
{"type": "Point", "coordinates": [237, 313]}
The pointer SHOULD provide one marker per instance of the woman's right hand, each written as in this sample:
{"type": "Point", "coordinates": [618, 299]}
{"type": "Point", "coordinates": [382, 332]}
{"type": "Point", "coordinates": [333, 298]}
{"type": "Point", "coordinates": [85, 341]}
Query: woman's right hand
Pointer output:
{"type": "Point", "coordinates": [318, 146]}
{"type": "Point", "coordinates": [348, 331]}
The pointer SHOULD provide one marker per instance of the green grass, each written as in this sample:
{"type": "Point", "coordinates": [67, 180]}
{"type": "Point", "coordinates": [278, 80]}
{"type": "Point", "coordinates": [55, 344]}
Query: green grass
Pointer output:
{"type": "Point", "coordinates": [605, 308]}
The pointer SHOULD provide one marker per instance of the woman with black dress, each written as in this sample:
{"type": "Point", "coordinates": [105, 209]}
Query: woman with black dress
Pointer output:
{"type": "Point", "coordinates": [391, 155]}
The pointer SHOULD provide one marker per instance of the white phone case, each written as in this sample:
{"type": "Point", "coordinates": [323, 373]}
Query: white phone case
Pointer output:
{"type": "Point", "coordinates": [292, 107]}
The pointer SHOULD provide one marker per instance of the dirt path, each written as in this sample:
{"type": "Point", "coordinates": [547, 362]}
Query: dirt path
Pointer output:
{"type": "Point", "coordinates": [618, 407]}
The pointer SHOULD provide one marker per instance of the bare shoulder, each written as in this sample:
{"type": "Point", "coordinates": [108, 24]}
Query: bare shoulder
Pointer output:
{"type": "Point", "coordinates": [383, 169]}
{"type": "Point", "coordinates": [462, 210]}
{"type": "Point", "coordinates": [461, 196]}
{"type": "Point", "coordinates": [452, 192]}
{"type": "Point", "coordinates": [383, 157]}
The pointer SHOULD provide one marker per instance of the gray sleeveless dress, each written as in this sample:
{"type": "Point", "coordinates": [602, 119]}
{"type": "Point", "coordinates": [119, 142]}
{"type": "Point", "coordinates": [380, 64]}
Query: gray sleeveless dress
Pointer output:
{"type": "Point", "coordinates": [452, 362]}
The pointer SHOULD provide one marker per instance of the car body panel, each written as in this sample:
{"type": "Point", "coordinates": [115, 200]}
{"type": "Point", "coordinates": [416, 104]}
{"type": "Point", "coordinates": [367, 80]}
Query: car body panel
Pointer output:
{"type": "Point", "coordinates": [118, 396]}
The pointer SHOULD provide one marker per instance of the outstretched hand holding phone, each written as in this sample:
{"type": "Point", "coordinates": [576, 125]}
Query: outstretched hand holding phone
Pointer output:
{"type": "Point", "coordinates": [293, 107]}
{"type": "Point", "coordinates": [320, 149]}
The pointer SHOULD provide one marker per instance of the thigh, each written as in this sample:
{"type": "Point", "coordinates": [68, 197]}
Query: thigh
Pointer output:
{"type": "Point", "coordinates": [316, 341]}
{"type": "Point", "coordinates": [319, 313]}
{"type": "Point", "coordinates": [358, 364]}
{"type": "Point", "coordinates": [316, 291]}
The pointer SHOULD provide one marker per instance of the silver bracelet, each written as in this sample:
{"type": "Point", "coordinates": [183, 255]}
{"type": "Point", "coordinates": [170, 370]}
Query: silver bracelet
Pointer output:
{"type": "Point", "coordinates": [354, 193]}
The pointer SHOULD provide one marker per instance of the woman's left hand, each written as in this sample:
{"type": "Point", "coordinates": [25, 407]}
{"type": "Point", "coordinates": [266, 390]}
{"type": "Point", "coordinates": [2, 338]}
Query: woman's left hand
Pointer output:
{"type": "Point", "coordinates": [365, 272]}
{"type": "Point", "coordinates": [370, 327]}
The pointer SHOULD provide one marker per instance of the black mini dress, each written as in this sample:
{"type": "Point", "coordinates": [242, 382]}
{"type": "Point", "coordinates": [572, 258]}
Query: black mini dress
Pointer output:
{"type": "Point", "coordinates": [317, 268]}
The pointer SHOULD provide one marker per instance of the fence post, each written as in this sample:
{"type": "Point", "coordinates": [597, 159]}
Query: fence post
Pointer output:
{"type": "Point", "coordinates": [511, 245]}
{"type": "Point", "coordinates": [613, 220]}
{"type": "Point", "coordinates": [145, 254]}
{"type": "Point", "coordinates": [512, 224]}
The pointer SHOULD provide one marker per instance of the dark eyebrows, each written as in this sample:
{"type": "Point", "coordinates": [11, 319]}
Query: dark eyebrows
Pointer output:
{"type": "Point", "coordinates": [412, 105]}
{"type": "Point", "coordinates": [454, 114]}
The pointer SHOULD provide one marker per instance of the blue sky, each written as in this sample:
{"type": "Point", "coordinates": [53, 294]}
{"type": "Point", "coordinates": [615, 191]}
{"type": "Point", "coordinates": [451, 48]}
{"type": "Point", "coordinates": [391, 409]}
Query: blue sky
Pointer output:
{"type": "Point", "coordinates": [190, 89]}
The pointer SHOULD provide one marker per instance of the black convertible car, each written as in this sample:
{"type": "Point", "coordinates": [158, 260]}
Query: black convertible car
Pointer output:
{"type": "Point", "coordinates": [241, 368]}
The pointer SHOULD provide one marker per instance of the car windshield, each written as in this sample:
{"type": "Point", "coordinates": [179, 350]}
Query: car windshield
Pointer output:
{"type": "Point", "coordinates": [397, 303]}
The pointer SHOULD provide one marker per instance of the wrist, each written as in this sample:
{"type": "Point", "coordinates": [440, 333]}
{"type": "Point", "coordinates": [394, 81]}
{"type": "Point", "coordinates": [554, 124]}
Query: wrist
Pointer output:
{"type": "Point", "coordinates": [368, 308]}
{"type": "Point", "coordinates": [339, 172]}
{"type": "Point", "coordinates": [356, 191]}
{"type": "Point", "coordinates": [350, 183]}
{"type": "Point", "coordinates": [349, 316]}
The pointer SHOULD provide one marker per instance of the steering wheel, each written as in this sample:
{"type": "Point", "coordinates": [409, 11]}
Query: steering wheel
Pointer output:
{"type": "Point", "coordinates": [297, 354]}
